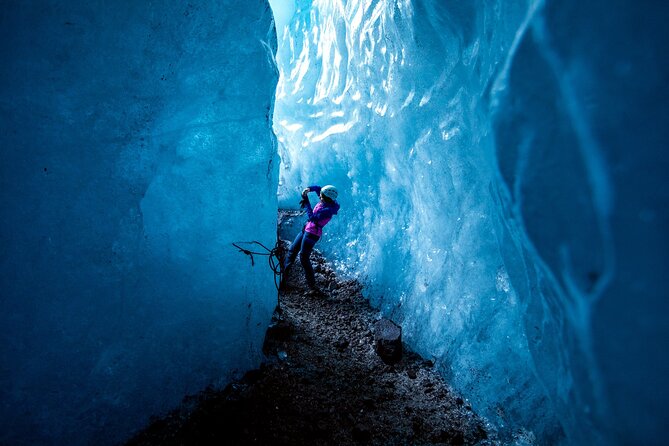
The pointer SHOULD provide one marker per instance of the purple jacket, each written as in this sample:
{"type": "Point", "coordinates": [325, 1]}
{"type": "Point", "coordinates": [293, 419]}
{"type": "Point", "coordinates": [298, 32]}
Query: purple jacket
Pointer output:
{"type": "Point", "coordinates": [320, 215]}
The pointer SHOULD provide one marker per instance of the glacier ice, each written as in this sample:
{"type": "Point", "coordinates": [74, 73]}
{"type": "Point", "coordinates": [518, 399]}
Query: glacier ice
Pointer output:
{"type": "Point", "coordinates": [137, 145]}
{"type": "Point", "coordinates": [503, 190]}
{"type": "Point", "coordinates": [501, 173]}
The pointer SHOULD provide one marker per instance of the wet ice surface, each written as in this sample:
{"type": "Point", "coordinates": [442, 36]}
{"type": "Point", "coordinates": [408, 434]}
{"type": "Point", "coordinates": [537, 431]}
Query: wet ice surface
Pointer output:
{"type": "Point", "coordinates": [322, 383]}
{"type": "Point", "coordinates": [489, 197]}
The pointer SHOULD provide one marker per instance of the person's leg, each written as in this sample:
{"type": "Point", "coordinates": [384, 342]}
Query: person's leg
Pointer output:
{"type": "Point", "coordinates": [308, 242]}
{"type": "Point", "coordinates": [292, 252]}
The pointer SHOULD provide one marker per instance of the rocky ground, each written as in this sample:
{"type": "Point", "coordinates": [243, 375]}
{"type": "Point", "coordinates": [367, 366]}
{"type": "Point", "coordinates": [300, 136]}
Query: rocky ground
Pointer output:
{"type": "Point", "coordinates": [322, 383]}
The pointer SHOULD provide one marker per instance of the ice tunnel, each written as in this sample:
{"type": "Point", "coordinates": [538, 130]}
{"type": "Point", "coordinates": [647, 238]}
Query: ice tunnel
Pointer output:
{"type": "Point", "coordinates": [502, 177]}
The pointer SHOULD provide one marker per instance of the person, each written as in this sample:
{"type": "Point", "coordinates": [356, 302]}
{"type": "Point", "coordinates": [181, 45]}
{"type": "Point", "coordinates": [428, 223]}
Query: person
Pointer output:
{"type": "Point", "coordinates": [317, 218]}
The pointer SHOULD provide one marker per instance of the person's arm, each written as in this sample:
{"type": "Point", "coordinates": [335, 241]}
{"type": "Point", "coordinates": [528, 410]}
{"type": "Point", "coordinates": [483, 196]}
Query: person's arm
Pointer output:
{"type": "Point", "coordinates": [307, 203]}
{"type": "Point", "coordinates": [313, 188]}
{"type": "Point", "coordinates": [307, 206]}
{"type": "Point", "coordinates": [324, 212]}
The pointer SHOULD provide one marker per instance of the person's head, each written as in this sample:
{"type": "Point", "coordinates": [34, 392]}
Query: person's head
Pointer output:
{"type": "Point", "coordinates": [328, 193]}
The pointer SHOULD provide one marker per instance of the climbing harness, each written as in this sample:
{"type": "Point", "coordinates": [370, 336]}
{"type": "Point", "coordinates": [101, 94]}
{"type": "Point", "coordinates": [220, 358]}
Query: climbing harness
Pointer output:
{"type": "Point", "coordinates": [272, 254]}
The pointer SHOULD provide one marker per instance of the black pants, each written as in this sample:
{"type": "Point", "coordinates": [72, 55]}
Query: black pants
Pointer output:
{"type": "Point", "coordinates": [304, 244]}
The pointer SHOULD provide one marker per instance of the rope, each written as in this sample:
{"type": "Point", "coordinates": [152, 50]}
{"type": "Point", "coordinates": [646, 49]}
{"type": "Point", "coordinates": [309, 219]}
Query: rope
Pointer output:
{"type": "Point", "coordinates": [272, 254]}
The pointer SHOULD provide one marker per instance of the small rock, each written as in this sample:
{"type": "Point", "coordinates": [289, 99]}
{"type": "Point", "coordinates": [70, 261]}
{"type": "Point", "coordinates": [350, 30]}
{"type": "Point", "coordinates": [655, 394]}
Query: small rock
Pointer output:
{"type": "Point", "coordinates": [388, 341]}
{"type": "Point", "coordinates": [252, 376]}
{"type": "Point", "coordinates": [361, 433]}
{"type": "Point", "coordinates": [450, 436]}
{"type": "Point", "coordinates": [368, 402]}
{"type": "Point", "coordinates": [411, 373]}
{"type": "Point", "coordinates": [459, 401]}
{"type": "Point", "coordinates": [277, 331]}
{"type": "Point", "coordinates": [481, 433]}
{"type": "Point", "coordinates": [322, 428]}
{"type": "Point", "coordinates": [417, 424]}
{"type": "Point", "coordinates": [341, 344]}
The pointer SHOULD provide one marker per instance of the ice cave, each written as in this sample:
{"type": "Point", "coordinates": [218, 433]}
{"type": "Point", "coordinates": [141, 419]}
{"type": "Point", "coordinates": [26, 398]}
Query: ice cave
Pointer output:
{"type": "Point", "coordinates": [500, 166]}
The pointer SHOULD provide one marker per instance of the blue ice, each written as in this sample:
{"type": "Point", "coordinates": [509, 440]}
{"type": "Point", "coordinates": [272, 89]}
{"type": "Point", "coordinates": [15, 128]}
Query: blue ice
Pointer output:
{"type": "Point", "coordinates": [136, 147]}
{"type": "Point", "coordinates": [503, 187]}
{"type": "Point", "coordinates": [502, 175]}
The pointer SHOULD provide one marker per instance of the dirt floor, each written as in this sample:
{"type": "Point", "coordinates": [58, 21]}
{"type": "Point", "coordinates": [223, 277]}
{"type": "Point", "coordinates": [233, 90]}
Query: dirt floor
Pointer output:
{"type": "Point", "coordinates": [322, 383]}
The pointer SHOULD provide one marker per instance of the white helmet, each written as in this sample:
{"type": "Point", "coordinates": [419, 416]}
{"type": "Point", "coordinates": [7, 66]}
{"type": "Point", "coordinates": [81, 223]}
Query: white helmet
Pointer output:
{"type": "Point", "coordinates": [330, 192]}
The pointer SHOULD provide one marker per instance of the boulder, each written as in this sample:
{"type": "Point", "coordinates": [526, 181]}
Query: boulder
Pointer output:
{"type": "Point", "coordinates": [388, 341]}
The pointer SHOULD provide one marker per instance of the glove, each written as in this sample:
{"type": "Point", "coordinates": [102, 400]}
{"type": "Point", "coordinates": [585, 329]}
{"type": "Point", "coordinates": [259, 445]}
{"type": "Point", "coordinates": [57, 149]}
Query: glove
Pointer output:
{"type": "Point", "coordinates": [305, 199]}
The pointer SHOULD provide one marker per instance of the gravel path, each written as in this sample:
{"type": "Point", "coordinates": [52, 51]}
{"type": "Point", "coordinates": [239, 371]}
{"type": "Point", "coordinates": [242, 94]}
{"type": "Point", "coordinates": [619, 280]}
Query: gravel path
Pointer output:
{"type": "Point", "coordinates": [322, 383]}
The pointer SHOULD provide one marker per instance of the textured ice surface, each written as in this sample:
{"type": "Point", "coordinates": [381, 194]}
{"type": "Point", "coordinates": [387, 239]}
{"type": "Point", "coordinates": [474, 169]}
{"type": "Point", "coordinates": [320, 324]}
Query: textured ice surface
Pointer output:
{"type": "Point", "coordinates": [136, 146]}
{"type": "Point", "coordinates": [503, 191]}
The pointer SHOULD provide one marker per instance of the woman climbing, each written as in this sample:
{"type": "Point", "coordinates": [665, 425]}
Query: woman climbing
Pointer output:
{"type": "Point", "coordinates": [318, 217]}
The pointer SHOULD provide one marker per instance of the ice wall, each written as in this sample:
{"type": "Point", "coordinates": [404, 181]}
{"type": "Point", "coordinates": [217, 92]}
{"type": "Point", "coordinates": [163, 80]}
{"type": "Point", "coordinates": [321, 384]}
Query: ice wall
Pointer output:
{"type": "Point", "coordinates": [502, 194]}
{"type": "Point", "coordinates": [136, 146]}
